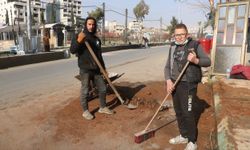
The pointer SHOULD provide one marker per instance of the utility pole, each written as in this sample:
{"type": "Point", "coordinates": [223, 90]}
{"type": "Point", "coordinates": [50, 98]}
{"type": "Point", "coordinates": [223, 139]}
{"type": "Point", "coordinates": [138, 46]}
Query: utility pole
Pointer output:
{"type": "Point", "coordinates": [13, 31]}
{"type": "Point", "coordinates": [126, 26]}
{"type": "Point", "coordinates": [29, 21]}
{"type": "Point", "coordinates": [103, 23]}
{"type": "Point", "coordinates": [7, 20]}
{"type": "Point", "coordinates": [160, 28]}
{"type": "Point", "coordinates": [18, 19]}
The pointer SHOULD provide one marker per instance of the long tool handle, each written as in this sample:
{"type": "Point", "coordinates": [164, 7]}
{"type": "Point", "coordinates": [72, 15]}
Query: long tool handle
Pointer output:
{"type": "Point", "coordinates": [103, 72]}
{"type": "Point", "coordinates": [177, 80]}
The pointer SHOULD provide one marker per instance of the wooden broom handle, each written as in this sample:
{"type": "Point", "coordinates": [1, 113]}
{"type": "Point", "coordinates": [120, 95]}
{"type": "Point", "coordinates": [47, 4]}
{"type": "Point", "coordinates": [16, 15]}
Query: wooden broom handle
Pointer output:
{"type": "Point", "coordinates": [177, 80]}
{"type": "Point", "coordinates": [103, 71]}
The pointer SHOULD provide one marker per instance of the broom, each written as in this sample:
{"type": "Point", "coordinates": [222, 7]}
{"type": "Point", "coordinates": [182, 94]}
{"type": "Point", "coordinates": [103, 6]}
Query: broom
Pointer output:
{"type": "Point", "coordinates": [146, 134]}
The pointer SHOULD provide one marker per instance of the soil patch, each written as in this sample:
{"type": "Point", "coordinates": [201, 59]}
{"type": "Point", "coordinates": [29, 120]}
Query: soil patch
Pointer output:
{"type": "Point", "coordinates": [117, 131]}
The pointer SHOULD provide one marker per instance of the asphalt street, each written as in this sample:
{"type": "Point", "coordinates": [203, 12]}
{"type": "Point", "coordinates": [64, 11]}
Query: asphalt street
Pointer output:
{"type": "Point", "coordinates": [18, 84]}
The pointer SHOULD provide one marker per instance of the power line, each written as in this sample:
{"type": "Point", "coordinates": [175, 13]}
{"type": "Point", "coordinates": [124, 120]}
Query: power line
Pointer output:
{"type": "Point", "coordinates": [152, 20]}
{"type": "Point", "coordinates": [59, 6]}
{"type": "Point", "coordinates": [120, 13]}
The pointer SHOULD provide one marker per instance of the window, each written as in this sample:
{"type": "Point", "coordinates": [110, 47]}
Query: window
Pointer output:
{"type": "Point", "coordinates": [222, 12]}
{"type": "Point", "coordinates": [241, 10]}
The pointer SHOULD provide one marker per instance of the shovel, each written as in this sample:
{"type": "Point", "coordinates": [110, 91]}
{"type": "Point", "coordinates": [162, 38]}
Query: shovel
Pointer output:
{"type": "Point", "coordinates": [129, 106]}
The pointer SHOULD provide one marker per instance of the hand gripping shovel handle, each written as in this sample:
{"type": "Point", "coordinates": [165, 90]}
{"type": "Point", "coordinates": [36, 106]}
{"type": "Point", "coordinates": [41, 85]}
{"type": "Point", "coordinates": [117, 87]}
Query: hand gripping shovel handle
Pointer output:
{"type": "Point", "coordinates": [103, 71]}
{"type": "Point", "coordinates": [177, 80]}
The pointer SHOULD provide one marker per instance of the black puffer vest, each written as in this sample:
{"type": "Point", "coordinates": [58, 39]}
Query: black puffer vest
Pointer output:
{"type": "Point", "coordinates": [193, 72]}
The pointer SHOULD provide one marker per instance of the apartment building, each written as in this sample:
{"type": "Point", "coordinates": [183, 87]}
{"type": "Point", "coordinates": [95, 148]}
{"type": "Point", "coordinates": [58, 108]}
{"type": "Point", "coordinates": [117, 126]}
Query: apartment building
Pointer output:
{"type": "Point", "coordinates": [114, 27]}
{"type": "Point", "coordinates": [17, 11]}
{"type": "Point", "coordinates": [135, 26]}
{"type": "Point", "coordinates": [66, 9]}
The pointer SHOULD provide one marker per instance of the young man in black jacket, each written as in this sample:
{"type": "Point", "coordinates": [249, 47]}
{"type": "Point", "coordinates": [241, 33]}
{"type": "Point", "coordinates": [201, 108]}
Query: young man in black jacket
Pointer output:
{"type": "Point", "coordinates": [184, 93]}
{"type": "Point", "coordinates": [88, 68]}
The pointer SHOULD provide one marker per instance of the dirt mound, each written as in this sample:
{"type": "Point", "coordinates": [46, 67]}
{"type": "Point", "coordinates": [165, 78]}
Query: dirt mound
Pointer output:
{"type": "Point", "coordinates": [117, 131]}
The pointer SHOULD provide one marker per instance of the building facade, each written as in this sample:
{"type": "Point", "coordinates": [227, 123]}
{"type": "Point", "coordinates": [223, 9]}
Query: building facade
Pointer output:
{"type": "Point", "coordinates": [16, 11]}
{"type": "Point", "coordinates": [66, 9]}
{"type": "Point", "coordinates": [113, 27]}
{"type": "Point", "coordinates": [135, 26]}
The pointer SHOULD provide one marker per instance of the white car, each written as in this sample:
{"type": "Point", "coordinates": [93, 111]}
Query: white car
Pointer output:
{"type": "Point", "coordinates": [16, 51]}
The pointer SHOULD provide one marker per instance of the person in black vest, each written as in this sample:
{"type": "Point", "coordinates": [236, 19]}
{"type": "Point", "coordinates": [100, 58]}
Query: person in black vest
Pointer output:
{"type": "Point", "coordinates": [184, 94]}
{"type": "Point", "coordinates": [88, 68]}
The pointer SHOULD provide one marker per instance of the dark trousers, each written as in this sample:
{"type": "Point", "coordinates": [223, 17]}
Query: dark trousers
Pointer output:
{"type": "Point", "coordinates": [99, 83]}
{"type": "Point", "coordinates": [46, 48]}
{"type": "Point", "coordinates": [184, 100]}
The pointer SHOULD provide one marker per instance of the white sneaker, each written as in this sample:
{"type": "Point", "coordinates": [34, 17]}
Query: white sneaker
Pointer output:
{"type": "Point", "coordinates": [178, 140]}
{"type": "Point", "coordinates": [87, 115]}
{"type": "Point", "coordinates": [191, 146]}
{"type": "Point", "coordinates": [105, 110]}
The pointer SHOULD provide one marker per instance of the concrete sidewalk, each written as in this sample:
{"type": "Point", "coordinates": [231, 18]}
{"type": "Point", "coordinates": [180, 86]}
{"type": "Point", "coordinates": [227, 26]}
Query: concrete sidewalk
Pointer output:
{"type": "Point", "coordinates": [232, 111]}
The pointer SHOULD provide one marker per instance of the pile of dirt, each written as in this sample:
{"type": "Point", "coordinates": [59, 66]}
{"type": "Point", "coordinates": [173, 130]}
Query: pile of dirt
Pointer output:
{"type": "Point", "coordinates": [117, 131]}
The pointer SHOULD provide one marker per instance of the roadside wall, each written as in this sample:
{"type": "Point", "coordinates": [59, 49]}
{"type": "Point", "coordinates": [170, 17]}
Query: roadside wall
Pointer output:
{"type": "Point", "coordinates": [11, 61]}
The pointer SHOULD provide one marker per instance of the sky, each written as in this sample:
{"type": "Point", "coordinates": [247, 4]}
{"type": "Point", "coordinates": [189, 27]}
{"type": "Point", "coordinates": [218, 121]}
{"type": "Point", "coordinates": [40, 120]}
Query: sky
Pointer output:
{"type": "Point", "coordinates": [184, 10]}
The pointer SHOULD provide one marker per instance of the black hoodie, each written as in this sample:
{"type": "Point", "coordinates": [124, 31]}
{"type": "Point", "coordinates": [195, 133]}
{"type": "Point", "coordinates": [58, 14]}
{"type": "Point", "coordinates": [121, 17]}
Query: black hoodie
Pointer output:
{"type": "Point", "coordinates": [85, 60]}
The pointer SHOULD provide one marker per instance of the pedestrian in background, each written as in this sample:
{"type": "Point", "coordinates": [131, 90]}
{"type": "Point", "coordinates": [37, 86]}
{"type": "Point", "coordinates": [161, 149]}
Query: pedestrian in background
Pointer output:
{"type": "Point", "coordinates": [185, 92]}
{"type": "Point", "coordinates": [145, 39]}
{"type": "Point", "coordinates": [88, 68]}
{"type": "Point", "coordinates": [46, 42]}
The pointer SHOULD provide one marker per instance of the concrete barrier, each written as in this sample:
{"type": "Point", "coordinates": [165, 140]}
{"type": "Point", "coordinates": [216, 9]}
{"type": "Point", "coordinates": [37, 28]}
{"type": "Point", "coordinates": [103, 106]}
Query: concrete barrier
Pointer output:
{"type": "Point", "coordinates": [134, 46]}
{"type": "Point", "coordinates": [120, 47]}
{"type": "Point", "coordinates": [11, 61]}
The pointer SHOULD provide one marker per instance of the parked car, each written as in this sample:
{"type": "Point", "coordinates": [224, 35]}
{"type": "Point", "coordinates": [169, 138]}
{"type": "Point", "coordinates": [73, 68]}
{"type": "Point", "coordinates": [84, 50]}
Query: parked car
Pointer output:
{"type": "Point", "coordinates": [16, 50]}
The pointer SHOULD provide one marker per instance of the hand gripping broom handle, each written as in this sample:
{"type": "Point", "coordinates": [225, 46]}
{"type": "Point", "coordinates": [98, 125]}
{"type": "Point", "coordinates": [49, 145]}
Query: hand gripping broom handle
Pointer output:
{"type": "Point", "coordinates": [103, 71]}
{"type": "Point", "coordinates": [177, 80]}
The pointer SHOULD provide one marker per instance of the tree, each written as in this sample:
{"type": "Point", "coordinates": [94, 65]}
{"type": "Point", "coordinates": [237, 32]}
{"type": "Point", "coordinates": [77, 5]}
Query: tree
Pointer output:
{"type": "Point", "coordinates": [33, 19]}
{"type": "Point", "coordinates": [172, 25]}
{"type": "Point", "coordinates": [207, 6]}
{"type": "Point", "coordinates": [200, 31]}
{"type": "Point", "coordinates": [140, 10]}
{"type": "Point", "coordinates": [97, 14]}
{"type": "Point", "coordinates": [79, 21]}
{"type": "Point", "coordinates": [51, 12]}
{"type": "Point", "coordinates": [7, 18]}
{"type": "Point", "coordinates": [42, 21]}
{"type": "Point", "coordinates": [42, 17]}
{"type": "Point", "coordinates": [211, 14]}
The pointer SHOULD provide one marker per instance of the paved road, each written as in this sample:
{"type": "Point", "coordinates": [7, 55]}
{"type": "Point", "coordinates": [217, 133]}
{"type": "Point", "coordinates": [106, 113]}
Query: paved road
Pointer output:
{"type": "Point", "coordinates": [18, 84]}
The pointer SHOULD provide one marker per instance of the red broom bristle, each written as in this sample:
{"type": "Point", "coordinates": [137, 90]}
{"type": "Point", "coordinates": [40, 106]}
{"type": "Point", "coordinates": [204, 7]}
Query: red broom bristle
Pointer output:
{"type": "Point", "coordinates": [143, 136]}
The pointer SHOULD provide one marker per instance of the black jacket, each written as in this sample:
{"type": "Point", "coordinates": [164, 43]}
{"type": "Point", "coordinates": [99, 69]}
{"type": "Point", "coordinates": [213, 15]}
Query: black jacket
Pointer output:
{"type": "Point", "coordinates": [85, 60]}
